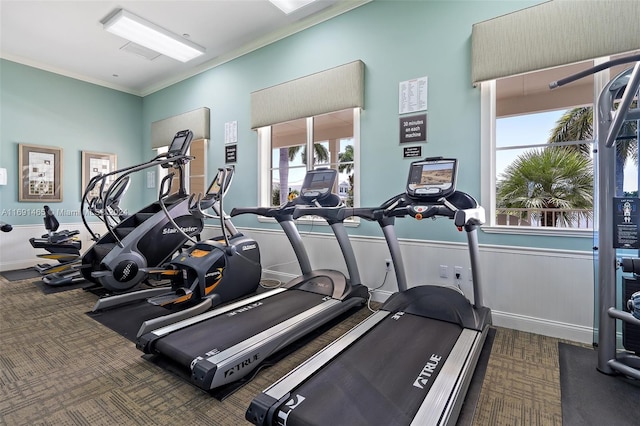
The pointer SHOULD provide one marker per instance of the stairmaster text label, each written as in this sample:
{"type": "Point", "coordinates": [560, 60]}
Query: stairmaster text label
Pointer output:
{"type": "Point", "coordinates": [427, 371]}
{"type": "Point", "coordinates": [186, 230]}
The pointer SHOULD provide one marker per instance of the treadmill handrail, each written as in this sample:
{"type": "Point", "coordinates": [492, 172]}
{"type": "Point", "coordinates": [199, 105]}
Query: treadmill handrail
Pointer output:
{"type": "Point", "coordinates": [330, 214]}
{"type": "Point", "coordinates": [274, 212]}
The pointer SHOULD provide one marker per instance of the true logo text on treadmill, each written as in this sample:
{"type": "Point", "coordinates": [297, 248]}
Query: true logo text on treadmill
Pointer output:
{"type": "Point", "coordinates": [427, 371]}
{"type": "Point", "coordinates": [244, 309]}
{"type": "Point", "coordinates": [240, 366]}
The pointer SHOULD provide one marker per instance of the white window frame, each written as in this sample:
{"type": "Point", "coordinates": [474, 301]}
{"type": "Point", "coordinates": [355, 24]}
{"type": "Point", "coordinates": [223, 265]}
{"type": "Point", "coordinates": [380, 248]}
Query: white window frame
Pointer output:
{"type": "Point", "coordinates": [264, 168]}
{"type": "Point", "coordinates": [488, 162]}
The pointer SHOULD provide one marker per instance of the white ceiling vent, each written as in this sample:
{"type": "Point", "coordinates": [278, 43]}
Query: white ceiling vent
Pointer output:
{"type": "Point", "coordinates": [136, 49]}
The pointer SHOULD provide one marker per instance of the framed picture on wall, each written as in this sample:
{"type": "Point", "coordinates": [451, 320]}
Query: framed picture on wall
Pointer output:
{"type": "Point", "coordinates": [40, 173]}
{"type": "Point", "coordinates": [94, 164]}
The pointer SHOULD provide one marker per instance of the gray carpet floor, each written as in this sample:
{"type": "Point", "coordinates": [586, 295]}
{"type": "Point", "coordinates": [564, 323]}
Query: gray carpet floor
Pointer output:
{"type": "Point", "coordinates": [60, 367]}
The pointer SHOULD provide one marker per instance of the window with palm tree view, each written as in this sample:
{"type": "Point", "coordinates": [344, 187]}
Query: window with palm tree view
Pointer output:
{"type": "Point", "coordinates": [544, 140]}
{"type": "Point", "coordinates": [296, 146]}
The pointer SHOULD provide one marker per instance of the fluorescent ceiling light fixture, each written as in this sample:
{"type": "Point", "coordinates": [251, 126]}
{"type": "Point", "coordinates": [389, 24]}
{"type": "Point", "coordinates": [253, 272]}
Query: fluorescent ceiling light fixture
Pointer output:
{"type": "Point", "coordinates": [138, 30]}
{"type": "Point", "coordinates": [288, 6]}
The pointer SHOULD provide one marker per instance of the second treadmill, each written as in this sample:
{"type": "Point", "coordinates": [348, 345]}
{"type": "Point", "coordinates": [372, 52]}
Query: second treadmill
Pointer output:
{"type": "Point", "coordinates": [224, 345]}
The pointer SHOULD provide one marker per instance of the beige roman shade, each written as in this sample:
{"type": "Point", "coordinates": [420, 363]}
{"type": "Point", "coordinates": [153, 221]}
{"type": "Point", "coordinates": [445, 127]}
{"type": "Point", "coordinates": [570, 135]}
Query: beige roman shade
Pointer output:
{"type": "Point", "coordinates": [331, 90]}
{"type": "Point", "coordinates": [163, 131]}
{"type": "Point", "coordinates": [554, 33]}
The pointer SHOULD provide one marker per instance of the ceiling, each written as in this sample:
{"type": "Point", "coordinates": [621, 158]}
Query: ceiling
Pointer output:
{"type": "Point", "coordinates": [66, 37]}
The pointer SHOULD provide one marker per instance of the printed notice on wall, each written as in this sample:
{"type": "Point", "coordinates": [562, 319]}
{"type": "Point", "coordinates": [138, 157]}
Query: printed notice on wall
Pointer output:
{"type": "Point", "coordinates": [413, 95]}
{"type": "Point", "coordinates": [231, 153]}
{"type": "Point", "coordinates": [412, 152]}
{"type": "Point", "coordinates": [231, 132]}
{"type": "Point", "coordinates": [625, 223]}
{"type": "Point", "coordinates": [413, 128]}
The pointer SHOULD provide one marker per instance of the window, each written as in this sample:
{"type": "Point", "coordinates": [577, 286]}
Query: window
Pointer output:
{"type": "Point", "coordinates": [538, 145]}
{"type": "Point", "coordinates": [287, 150]}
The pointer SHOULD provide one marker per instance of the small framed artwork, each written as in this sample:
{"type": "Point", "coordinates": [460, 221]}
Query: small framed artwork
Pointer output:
{"type": "Point", "coordinates": [40, 173]}
{"type": "Point", "coordinates": [94, 164]}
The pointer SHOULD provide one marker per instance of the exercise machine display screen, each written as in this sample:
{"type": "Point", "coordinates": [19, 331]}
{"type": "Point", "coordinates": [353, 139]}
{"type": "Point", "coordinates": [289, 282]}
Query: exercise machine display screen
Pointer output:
{"type": "Point", "coordinates": [432, 178]}
{"type": "Point", "coordinates": [221, 180]}
{"type": "Point", "coordinates": [318, 183]}
{"type": "Point", "coordinates": [180, 143]}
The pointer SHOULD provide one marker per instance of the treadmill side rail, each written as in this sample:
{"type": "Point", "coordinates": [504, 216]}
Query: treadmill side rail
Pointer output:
{"type": "Point", "coordinates": [227, 366]}
{"type": "Point", "coordinates": [445, 398]}
{"type": "Point", "coordinates": [263, 406]}
{"type": "Point", "coordinates": [301, 373]}
{"type": "Point", "coordinates": [146, 341]}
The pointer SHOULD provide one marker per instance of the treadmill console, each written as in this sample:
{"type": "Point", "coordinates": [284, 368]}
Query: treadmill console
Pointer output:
{"type": "Point", "coordinates": [432, 178]}
{"type": "Point", "coordinates": [317, 184]}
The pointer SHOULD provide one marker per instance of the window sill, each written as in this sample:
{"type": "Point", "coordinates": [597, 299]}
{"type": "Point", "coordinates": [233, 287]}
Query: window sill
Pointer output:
{"type": "Point", "coordinates": [313, 222]}
{"type": "Point", "coordinates": [531, 230]}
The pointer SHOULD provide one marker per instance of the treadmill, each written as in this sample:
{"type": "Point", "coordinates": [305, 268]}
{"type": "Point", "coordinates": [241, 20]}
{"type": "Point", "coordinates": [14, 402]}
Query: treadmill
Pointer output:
{"type": "Point", "coordinates": [224, 345]}
{"type": "Point", "coordinates": [410, 362]}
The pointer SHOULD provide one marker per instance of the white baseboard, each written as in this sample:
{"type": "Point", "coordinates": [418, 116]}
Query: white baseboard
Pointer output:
{"type": "Point", "coordinates": [528, 324]}
{"type": "Point", "coordinates": [17, 253]}
{"type": "Point", "coordinates": [545, 327]}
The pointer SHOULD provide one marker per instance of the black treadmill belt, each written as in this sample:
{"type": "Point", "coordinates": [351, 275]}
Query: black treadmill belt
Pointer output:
{"type": "Point", "coordinates": [222, 332]}
{"type": "Point", "coordinates": [378, 380]}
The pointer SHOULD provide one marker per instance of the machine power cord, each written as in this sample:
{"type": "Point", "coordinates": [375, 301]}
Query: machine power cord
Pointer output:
{"type": "Point", "coordinates": [371, 290]}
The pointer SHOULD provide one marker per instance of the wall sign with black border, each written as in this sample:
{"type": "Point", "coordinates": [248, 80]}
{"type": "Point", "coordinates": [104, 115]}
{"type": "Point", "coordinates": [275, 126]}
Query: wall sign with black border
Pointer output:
{"type": "Point", "coordinates": [231, 153]}
{"type": "Point", "coordinates": [625, 223]}
{"type": "Point", "coordinates": [413, 128]}
{"type": "Point", "coordinates": [412, 151]}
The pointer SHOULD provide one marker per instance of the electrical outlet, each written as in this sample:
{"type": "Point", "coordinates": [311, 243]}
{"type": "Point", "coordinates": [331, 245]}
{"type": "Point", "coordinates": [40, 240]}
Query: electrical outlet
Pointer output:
{"type": "Point", "coordinates": [458, 272]}
{"type": "Point", "coordinates": [388, 264]}
{"type": "Point", "coordinates": [444, 271]}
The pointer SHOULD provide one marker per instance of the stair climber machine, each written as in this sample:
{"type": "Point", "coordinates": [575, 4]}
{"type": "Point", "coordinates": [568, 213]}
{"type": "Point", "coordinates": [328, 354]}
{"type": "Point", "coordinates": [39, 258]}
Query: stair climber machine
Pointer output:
{"type": "Point", "coordinates": [209, 273]}
{"type": "Point", "coordinates": [410, 362]}
{"type": "Point", "coordinates": [62, 246]}
{"type": "Point", "coordinates": [617, 222]}
{"type": "Point", "coordinates": [227, 344]}
{"type": "Point", "coordinates": [69, 272]}
{"type": "Point", "coordinates": [119, 259]}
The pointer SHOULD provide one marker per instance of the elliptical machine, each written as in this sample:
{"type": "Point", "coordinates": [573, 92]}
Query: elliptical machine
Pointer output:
{"type": "Point", "coordinates": [62, 246]}
{"type": "Point", "coordinates": [119, 259]}
{"type": "Point", "coordinates": [209, 273]}
{"type": "Point", "coordinates": [107, 208]}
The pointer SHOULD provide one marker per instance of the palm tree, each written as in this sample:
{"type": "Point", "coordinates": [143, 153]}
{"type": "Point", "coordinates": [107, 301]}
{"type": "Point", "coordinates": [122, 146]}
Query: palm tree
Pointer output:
{"type": "Point", "coordinates": [577, 124]}
{"type": "Point", "coordinates": [346, 160]}
{"type": "Point", "coordinates": [551, 178]}
{"type": "Point", "coordinates": [345, 165]}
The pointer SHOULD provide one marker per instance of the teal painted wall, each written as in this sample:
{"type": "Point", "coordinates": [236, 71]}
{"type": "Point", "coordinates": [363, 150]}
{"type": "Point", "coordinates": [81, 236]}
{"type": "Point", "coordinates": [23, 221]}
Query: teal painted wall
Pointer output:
{"type": "Point", "coordinates": [42, 108]}
{"type": "Point", "coordinates": [397, 41]}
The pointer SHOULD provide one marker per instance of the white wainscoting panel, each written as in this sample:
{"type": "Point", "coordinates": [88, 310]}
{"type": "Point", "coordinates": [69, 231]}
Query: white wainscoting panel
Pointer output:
{"type": "Point", "coordinates": [542, 291]}
{"type": "Point", "coordinates": [16, 251]}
